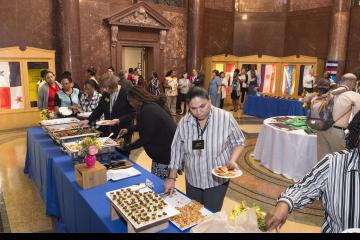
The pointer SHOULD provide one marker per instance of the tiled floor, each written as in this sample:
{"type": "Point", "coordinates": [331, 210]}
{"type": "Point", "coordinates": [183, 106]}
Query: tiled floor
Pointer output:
{"type": "Point", "coordinates": [25, 210]}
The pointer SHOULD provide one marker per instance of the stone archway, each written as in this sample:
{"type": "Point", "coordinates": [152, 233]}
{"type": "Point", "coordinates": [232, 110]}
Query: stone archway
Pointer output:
{"type": "Point", "coordinates": [139, 26]}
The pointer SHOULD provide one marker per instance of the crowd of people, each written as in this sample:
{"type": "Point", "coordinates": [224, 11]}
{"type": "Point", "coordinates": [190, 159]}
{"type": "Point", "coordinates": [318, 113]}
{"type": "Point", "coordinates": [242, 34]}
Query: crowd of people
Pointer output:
{"type": "Point", "coordinates": [208, 136]}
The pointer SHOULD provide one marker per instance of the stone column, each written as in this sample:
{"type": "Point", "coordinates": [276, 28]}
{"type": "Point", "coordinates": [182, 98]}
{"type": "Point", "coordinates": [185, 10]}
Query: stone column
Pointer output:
{"type": "Point", "coordinates": [339, 34]}
{"type": "Point", "coordinates": [69, 39]}
{"type": "Point", "coordinates": [196, 10]}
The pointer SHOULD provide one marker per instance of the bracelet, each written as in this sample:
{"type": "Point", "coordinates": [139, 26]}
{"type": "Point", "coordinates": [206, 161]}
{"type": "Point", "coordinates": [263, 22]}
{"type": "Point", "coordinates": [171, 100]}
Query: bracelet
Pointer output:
{"type": "Point", "coordinates": [171, 178]}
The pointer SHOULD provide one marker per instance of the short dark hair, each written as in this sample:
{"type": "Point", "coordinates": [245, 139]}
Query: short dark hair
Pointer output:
{"type": "Point", "coordinates": [155, 74]}
{"type": "Point", "coordinates": [66, 77]}
{"type": "Point", "coordinates": [92, 83]}
{"type": "Point", "coordinates": [43, 73]}
{"type": "Point", "coordinates": [169, 73]}
{"type": "Point", "coordinates": [65, 74]}
{"type": "Point", "coordinates": [131, 70]}
{"type": "Point", "coordinates": [92, 71]}
{"type": "Point", "coordinates": [216, 72]}
{"type": "Point", "coordinates": [237, 71]}
{"type": "Point", "coordinates": [197, 92]}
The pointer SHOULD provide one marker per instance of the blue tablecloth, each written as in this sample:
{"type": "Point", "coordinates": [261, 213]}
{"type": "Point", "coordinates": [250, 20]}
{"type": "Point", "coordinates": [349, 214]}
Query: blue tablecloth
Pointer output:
{"type": "Point", "coordinates": [77, 210]}
{"type": "Point", "coordinates": [266, 107]}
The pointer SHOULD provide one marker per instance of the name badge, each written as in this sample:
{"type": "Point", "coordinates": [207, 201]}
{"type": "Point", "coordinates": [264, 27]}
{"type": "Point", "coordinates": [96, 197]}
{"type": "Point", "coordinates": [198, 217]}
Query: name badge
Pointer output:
{"type": "Point", "coordinates": [198, 145]}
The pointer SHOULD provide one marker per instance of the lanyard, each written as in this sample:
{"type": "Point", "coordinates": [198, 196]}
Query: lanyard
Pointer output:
{"type": "Point", "coordinates": [202, 131]}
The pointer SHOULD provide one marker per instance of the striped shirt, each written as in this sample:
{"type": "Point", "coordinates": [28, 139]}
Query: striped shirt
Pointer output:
{"type": "Point", "coordinates": [336, 180]}
{"type": "Point", "coordinates": [221, 136]}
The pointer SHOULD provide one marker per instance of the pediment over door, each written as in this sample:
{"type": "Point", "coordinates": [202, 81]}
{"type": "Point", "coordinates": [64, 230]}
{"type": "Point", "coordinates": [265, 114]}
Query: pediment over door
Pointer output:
{"type": "Point", "coordinates": [140, 15]}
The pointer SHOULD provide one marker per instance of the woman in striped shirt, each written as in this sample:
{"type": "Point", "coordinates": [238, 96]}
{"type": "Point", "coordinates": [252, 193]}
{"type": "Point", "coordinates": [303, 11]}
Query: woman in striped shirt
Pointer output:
{"type": "Point", "coordinates": [336, 180]}
{"type": "Point", "coordinates": [205, 138]}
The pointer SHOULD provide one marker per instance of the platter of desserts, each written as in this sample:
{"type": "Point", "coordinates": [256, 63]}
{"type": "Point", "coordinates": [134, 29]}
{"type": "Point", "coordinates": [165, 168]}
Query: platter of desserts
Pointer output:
{"type": "Point", "coordinates": [226, 172]}
{"type": "Point", "coordinates": [191, 211]}
{"type": "Point", "coordinates": [141, 206]}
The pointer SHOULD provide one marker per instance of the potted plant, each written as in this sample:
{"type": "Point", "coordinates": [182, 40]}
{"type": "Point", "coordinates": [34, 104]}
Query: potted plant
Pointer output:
{"type": "Point", "coordinates": [90, 146]}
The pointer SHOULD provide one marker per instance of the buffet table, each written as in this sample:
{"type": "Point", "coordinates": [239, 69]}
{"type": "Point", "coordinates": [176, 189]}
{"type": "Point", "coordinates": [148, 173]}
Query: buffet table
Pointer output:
{"type": "Point", "coordinates": [77, 210]}
{"type": "Point", "coordinates": [292, 153]}
{"type": "Point", "coordinates": [266, 107]}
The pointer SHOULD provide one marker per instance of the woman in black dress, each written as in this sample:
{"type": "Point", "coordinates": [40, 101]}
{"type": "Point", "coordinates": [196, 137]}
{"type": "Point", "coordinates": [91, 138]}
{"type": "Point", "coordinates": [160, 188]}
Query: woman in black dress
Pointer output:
{"type": "Point", "coordinates": [156, 128]}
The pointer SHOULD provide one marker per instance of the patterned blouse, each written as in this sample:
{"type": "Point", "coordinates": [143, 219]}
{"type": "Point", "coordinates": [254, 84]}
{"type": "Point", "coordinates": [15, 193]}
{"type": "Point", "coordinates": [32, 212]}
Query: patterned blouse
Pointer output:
{"type": "Point", "coordinates": [89, 105]}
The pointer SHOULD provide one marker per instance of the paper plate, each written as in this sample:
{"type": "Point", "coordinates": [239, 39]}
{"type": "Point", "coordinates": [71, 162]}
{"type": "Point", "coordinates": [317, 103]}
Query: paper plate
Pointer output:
{"type": "Point", "coordinates": [352, 230]}
{"type": "Point", "coordinates": [84, 114]}
{"type": "Point", "coordinates": [65, 111]}
{"type": "Point", "coordinates": [104, 123]}
{"type": "Point", "coordinates": [237, 173]}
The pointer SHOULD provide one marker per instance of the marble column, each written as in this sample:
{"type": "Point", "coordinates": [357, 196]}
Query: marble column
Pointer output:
{"type": "Point", "coordinates": [68, 37]}
{"type": "Point", "coordinates": [196, 10]}
{"type": "Point", "coordinates": [339, 33]}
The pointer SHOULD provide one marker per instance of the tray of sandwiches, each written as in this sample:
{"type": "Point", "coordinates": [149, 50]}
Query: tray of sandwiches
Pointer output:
{"type": "Point", "coordinates": [59, 121]}
{"type": "Point", "coordinates": [73, 135]}
{"type": "Point", "coordinates": [191, 211]}
{"type": "Point", "coordinates": [141, 207]}
{"type": "Point", "coordinates": [73, 149]}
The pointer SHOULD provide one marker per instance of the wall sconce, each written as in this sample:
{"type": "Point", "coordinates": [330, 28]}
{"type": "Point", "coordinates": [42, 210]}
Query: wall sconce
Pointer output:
{"type": "Point", "coordinates": [244, 17]}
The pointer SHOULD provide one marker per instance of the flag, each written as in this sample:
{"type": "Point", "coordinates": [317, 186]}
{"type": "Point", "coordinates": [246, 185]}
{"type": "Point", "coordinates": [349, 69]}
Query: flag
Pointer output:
{"type": "Point", "coordinates": [268, 82]}
{"type": "Point", "coordinates": [288, 86]}
{"type": "Point", "coordinates": [11, 92]}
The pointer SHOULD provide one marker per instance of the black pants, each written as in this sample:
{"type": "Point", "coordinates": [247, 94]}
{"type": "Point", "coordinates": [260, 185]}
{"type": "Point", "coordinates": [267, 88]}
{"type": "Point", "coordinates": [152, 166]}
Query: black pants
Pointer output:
{"type": "Point", "coordinates": [309, 90]}
{"type": "Point", "coordinates": [211, 198]}
{"type": "Point", "coordinates": [243, 93]}
{"type": "Point", "coordinates": [222, 103]}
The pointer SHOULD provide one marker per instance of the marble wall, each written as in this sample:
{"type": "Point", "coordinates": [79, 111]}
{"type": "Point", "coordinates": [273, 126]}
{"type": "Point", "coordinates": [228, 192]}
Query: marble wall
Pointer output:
{"type": "Point", "coordinates": [353, 51]}
{"type": "Point", "coordinates": [307, 32]}
{"type": "Point", "coordinates": [27, 23]}
{"type": "Point", "coordinates": [298, 5]}
{"type": "Point", "coordinates": [222, 5]}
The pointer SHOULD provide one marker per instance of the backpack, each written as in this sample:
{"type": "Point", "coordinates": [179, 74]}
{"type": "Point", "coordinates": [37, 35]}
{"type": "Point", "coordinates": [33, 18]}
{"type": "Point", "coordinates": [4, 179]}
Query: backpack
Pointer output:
{"type": "Point", "coordinates": [320, 115]}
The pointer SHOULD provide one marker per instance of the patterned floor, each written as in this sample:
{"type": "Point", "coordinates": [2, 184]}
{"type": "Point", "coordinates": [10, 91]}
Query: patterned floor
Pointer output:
{"type": "Point", "coordinates": [22, 210]}
{"type": "Point", "coordinates": [260, 185]}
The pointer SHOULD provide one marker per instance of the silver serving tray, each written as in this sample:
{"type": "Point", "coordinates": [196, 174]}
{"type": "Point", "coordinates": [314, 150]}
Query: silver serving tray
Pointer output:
{"type": "Point", "coordinates": [107, 148]}
{"type": "Point", "coordinates": [59, 121]}
{"type": "Point", "coordinates": [73, 138]}
{"type": "Point", "coordinates": [62, 127]}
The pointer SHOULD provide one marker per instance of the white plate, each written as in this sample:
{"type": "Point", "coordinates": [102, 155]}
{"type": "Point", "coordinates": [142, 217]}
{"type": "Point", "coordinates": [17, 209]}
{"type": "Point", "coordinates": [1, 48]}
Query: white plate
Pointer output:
{"type": "Point", "coordinates": [169, 209]}
{"type": "Point", "coordinates": [84, 114]}
{"type": "Point", "coordinates": [65, 111]}
{"type": "Point", "coordinates": [103, 123]}
{"type": "Point", "coordinates": [119, 174]}
{"type": "Point", "coordinates": [179, 200]}
{"type": "Point", "coordinates": [237, 172]}
{"type": "Point", "coordinates": [352, 230]}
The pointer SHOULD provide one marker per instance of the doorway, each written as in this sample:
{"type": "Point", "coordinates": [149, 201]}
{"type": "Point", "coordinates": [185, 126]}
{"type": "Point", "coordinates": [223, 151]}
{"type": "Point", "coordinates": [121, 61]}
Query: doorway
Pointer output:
{"type": "Point", "coordinates": [138, 57]}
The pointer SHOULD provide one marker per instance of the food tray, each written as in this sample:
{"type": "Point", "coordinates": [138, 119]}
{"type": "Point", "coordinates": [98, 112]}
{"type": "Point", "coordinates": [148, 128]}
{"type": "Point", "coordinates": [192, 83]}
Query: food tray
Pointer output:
{"type": "Point", "coordinates": [109, 147]}
{"type": "Point", "coordinates": [59, 121]}
{"type": "Point", "coordinates": [75, 137]}
{"type": "Point", "coordinates": [178, 200]}
{"type": "Point", "coordinates": [160, 216]}
{"type": "Point", "coordinates": [62, 127]}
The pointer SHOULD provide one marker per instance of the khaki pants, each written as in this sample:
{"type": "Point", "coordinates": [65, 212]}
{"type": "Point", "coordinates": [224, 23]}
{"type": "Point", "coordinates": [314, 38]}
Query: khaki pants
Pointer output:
{"type": "Point", "coordinates": [171, 103]}
{"type": "Point", "coordinates": [330, 141]}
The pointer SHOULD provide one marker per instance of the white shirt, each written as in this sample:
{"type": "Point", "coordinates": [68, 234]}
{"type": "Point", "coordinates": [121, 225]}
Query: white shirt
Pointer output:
{"type": "Point", "coordinates": [308, 81]}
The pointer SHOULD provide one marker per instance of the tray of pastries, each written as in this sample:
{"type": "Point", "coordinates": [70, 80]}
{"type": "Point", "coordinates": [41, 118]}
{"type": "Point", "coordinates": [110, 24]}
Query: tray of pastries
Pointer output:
{"type": "Point", "coordinates": [140, 206]}
{"type": "Point", "coordinates": [191, 211]}
{"type": "Point", "coordinates": [59, 121]}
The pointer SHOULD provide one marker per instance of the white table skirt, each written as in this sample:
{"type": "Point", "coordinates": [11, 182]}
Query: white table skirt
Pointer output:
{"type": "Point", "coordinates": [290, 153]}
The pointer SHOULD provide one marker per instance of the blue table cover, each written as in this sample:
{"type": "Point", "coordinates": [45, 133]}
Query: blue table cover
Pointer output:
{"type": "Point", "coordinates": [266, 107]}
{"type": "Point", "coordinates": [77, 210]}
